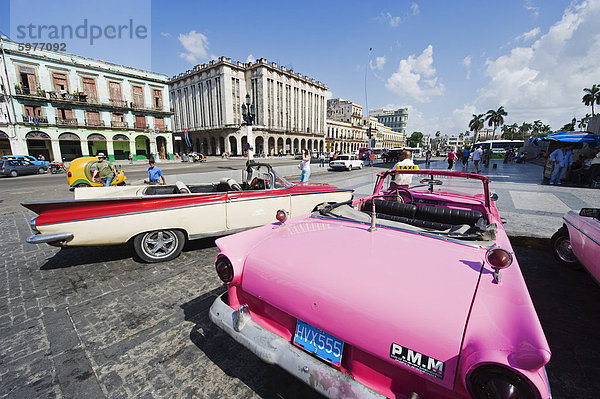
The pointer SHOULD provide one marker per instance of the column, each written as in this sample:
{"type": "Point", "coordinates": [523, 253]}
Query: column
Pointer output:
{"type": "Point", "coordinates": [84, 149]}
{"type": "Point", "coordinates": [132, 147]}
{"type": "Point", "coordinates": [110, 151]}
{"type": "Point", "coordinates": [56, 150]}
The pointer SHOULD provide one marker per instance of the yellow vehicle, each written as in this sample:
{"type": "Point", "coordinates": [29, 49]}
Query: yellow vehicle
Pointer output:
{"type": "Point", "coordinates": [80, 173]}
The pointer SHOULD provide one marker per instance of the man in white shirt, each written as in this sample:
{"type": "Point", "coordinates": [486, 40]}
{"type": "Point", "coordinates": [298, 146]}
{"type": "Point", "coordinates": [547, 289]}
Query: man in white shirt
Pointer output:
{"type": "Point", "coordinates": [402, 180]}
{"type": "Point", "coordinates": [562, 158]}
{"type": "Point", "coordinates": [476, 158]}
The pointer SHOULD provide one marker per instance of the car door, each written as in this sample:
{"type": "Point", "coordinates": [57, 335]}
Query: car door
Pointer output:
{"type": "Point", "coordinates": [251, 208]}
{"type": "Point", "coordinates": [27, 168]}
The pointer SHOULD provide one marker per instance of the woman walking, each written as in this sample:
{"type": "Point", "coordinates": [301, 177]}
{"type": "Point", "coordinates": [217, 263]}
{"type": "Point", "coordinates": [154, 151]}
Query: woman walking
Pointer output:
{"type": "Point", "coordinates": [305, 167]}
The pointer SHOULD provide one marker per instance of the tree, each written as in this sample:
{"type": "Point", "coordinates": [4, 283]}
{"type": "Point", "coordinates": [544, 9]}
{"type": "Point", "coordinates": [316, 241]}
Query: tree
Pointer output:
{"type": "Point", "coordinates": [476, 124]}
{"type": "Point", "coordinates": [415, 139]}
{"type": "Point", "coordinates": [536, 127]}
{"type": "Point", "coordinates": [495, 118]}
{"type": "Point", "coordinates": [524, 130]}
{"type": "Point", "coordinates": [592, 96]}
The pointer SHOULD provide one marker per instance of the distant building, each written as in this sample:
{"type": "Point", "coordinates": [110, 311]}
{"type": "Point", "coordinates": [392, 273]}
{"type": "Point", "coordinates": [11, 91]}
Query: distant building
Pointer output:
{"type": "Point", "coordinates": [395, 120]}
{"type": "Point", "coordinates": [207, 100]}
{"type": "Point", "coordinates": [64, 106]}
{"type": "Point", "coordinates": [485, 134]}
{"type": "Point", "coordinates": [346, 130]}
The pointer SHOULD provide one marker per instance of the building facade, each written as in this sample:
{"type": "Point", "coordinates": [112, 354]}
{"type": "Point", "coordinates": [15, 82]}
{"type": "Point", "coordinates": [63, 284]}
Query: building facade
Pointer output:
{"type": "Point", "coordinates": [64, 106]}
{"type": "Point", "coordinates": [394, 119]}
{"type": "Point", "coordinates": [346, 130]}
{"type": "Point", "coordinates": [207, 101]}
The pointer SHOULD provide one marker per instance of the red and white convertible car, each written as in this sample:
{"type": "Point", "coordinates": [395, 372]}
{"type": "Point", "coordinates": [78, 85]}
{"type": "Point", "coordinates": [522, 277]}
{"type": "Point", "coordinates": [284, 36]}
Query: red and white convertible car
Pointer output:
{"type": "Point", "coordinates": [159, 219]}
{"type": "Point", "coordinates": [413, 292]}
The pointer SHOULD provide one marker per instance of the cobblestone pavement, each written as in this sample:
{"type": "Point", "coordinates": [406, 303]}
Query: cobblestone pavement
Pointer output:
{"type": "Point", "coordinates": [93, 322]}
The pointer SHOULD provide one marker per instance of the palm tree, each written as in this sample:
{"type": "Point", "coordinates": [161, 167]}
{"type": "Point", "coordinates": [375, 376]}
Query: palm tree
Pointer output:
{"type": "Point", "coordinates": [495, 118]}
{"type": "Point", "coordinates": [592, 96]}
{"type": "Point", "coordinates": [537, 127]}
{"type": "Point", "coordinates": [476, 124]}
{"type": "Point", "coordinates": [524, 129]}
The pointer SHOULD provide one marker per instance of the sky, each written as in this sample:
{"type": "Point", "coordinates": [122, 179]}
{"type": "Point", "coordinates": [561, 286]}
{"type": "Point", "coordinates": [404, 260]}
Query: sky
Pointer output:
{"type": "Point", "coordinates": [444, 60]}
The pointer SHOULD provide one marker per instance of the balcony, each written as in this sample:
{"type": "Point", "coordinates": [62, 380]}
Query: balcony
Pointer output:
{"type": "Point", "coordinates": [141, 126]}
{"type": "Point", "coordinates": [94, 123]}
{"type": "Point", "coordinates": [118, 103]}
{"type": "Point", "coordinates": [119, 124]}
{"type": "Point", "coordinates": [66, 122]}
{"type": "Point", "coordinates": [26, 91]}
{"type": "Point", "coordinates": [35, 120]}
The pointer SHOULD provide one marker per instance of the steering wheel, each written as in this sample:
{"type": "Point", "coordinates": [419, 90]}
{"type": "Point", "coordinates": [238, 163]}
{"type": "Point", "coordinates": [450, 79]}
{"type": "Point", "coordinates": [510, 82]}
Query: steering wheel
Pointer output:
{"type": "Point", "coordinates": [396, 191]}
{"type": "Point", "coordinates": [257, 184]}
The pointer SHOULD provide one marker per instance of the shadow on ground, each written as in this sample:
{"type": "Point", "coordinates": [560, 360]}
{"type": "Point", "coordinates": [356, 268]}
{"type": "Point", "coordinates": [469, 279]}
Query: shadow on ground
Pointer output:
{"type": "Point", "coordinates": [266, 380]}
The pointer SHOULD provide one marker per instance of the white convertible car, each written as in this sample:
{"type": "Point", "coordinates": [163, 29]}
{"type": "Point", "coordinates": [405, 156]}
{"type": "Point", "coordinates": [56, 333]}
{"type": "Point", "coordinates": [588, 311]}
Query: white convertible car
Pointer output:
{"type": "Point", "coordinates": [158, 220]}
{"type": "Point", "coordinates": [346, 161]}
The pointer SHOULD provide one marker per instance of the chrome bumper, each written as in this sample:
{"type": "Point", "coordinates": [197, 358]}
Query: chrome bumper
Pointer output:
{"type": "Point", "coordinates": [273, 349]}
{"type": "Point", "coordinates": [48, 238]}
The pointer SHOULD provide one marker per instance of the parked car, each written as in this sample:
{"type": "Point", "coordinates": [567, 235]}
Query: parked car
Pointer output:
{"type": "Point", "coordinates": [80, 172]}
{"type": "Point", "coordinates": [407, 293]}
{"type": "Point", "coordinates": [19, 167]}
{"type": "Point", "coordinates": [158, 220]}
{"type": "Point", "coordinates": [346, 161]}
{"type": "Point", "coordinates": [29, 158]}
{"type": "Point", "coordinates": [577, 242]}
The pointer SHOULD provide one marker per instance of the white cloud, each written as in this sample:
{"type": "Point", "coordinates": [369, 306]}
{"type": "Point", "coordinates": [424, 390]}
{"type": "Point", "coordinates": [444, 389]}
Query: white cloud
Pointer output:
{"type": "Point", "coordinates": [467, 63]}
{"type": "Point", "coordinates": [414, 8]}
{"type": "Point", "coordinates": [165, 34]}
{"type": "Point", "coordinates": [535, 11]}
{"type": "Point", "coordinates": [379, 63]}
{"type": "Point", "coordinates": [196, 45]}
{"type": "Point", "coordinates": [250, 58]}
{"type": "Point", "coordinates": [416, 77]}
{"type": "Point", "coordinates": [390, 19]}
{"type": "Point", "coordinates": [529, 35]}
{"type": "Point", "coordinates": [546, 80]}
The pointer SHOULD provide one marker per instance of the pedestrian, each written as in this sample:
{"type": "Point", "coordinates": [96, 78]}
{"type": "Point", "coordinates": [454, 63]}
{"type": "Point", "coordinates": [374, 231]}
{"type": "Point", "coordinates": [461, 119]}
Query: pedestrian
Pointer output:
{"type": "Point", "coordinates": [322, 160]}
{"type": "Point", "coordinates": [130, 158]}
{"type": "Point", "coordinates": [154, 173]}
{"type": "Point", "coordinates": [451, 158]}
{"type": "Point", "coordinates": [104, 169]}
{"type": "Point", "coordinates": [428, 157]}
{"type": "Point", "coordinates": [371, 158]}
{"type": "Point", "coordinates": [486, 157]}
{"type": "Point", "coordinates": [402, 180]}
{"type": "Point", "coordinates": [477, 154]}
{"type": "Point", "coordinates": [562, 158]}
{"type": "Point", "coordinates": [41, 158]}
{"type": "Point", "coordinates": [465, 157]}
{"type": "Point", "coordinates": [305, 165]}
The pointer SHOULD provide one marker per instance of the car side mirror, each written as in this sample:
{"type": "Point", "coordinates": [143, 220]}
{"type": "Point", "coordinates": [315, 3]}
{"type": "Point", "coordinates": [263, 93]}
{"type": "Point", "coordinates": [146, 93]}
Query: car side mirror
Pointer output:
{"type": "Point", "coordinates": [494, 197]}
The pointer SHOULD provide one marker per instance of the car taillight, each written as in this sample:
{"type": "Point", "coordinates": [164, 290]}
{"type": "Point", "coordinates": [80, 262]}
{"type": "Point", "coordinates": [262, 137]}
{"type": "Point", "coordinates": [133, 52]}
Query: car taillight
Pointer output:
{"type": "Point", "coordinates": [499, 258]}
{"type": "Point", "coordinates": [224, 268]}
{"type": "Point", "coordinates": [69, 174]}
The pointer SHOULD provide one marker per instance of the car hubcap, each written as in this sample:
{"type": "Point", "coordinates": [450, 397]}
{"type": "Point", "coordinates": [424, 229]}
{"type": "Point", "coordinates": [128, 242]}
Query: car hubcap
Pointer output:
{"type": "Point", "coordinates": [160, 244]}
{"type": "Point", "coordinates": [564, 250]}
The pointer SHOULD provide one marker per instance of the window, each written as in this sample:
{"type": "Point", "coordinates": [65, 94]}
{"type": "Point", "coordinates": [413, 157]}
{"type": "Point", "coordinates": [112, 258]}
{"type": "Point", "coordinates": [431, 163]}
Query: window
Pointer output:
{"type": "Point", "coordinates": [32, 110]}
{"type": "Point", "coordinates": [28, 79]}
{"type": "Point", "coordinates": [159, 123]}
{"type": "Point", "coordinates": [140, 122]}
{"type": "Point", "coordinates": [157, 98]}
{"type": "Point", "coordinates": [93, 118]}
{"type": "Point", "coordinates": [64, 114]}
{"type": "Point", "coordinates": [89, 88]}
{"type": "Point", "coordinates": [60, 82]}
{"type": "Point", "coordinates": [118, 120]}
{"type": "Point", "coordinates": [138, 96]}
{"type": "Point", "coordinates": [115, 93]}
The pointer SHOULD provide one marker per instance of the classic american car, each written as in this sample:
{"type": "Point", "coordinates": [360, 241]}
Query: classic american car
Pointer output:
{"type": "Point", "coordinates": [158, 220]}
{"type": "Point", "coordinates": [407, 293]}
{"type": "Point", "coordinates": [346, 161]}
{"type": "Point", "coordinates": [578, 241]}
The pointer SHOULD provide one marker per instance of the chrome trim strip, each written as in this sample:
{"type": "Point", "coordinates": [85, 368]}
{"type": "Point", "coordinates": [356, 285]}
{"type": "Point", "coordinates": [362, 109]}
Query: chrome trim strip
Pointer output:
{"type": "Point", "coordinates": [582, 232]}
{"type": "Point", "coordinates": [46, 238]}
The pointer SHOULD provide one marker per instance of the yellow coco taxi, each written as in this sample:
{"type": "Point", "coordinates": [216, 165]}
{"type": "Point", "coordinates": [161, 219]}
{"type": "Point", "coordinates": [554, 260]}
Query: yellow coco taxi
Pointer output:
{"type": "Point", "coordinates": [80, 173]}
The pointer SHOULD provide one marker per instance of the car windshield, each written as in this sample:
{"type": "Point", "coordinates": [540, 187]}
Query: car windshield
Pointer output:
{"type": "Point", "coordinates": [264, 172]}
{"type": "Point", "coordinates": [343, 157]}
{"type": "Point", "coordinates": [435, 184]}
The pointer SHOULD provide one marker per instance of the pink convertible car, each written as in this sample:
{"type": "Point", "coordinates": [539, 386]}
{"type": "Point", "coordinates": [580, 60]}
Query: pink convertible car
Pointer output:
{"type": "Point", "coordinates": [578, 241]}
{"type": "Point", "coordinates": [412, 292]}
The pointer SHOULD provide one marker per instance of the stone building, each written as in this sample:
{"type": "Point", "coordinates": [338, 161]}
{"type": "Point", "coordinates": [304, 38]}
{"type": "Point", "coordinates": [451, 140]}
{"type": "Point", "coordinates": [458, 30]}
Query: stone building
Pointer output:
{"type": "Point", "coordinates": [346, 130]}
{"type": "Point", "coordinates": [394, 119]}
{"type": "Point", "coordinates": [64, 106]}
{"type": "Point", "coordinates": [207, 101]}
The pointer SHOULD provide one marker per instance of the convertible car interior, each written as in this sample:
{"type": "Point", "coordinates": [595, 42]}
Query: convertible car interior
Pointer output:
{"type": "Point", "coordinates": [224, 185]}
{"type": "Point", "coordinates": [461, 224]}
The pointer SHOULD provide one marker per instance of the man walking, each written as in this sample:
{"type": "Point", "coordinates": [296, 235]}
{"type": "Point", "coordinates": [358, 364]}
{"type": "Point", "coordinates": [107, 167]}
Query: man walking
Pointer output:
{"type": "Point", "coordinates": [428, 157]}
{"type": "Point", "coordinates": [476, 159]}
{"type": "Point", "coordinates": [465, 157]}
{"type": "Point", "coordinates": [451, 158]}
{"type": "Point", "coordinates": [562, 158]}
{"type": "Point", "coordinates": [104, 169]}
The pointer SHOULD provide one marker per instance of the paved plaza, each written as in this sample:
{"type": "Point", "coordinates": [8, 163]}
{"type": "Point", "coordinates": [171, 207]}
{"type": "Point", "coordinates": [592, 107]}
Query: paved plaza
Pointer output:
{"type": "Point", "coordinates": [95, 323]}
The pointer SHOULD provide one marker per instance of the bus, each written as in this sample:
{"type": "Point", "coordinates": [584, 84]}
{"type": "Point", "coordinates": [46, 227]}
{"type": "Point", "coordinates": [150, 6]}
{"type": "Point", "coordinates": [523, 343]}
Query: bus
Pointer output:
{"type": "Point", "coordinates": [377, 151]}
{"type": "Point", "coordinates": [499, 146]}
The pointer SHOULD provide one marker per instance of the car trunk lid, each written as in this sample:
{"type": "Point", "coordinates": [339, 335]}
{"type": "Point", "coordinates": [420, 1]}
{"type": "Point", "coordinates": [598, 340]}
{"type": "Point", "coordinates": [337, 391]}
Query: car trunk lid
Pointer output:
{"type": "Point", "coordinates": [402, 297]}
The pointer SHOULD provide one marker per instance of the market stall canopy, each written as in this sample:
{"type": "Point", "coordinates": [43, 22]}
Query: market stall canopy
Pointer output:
{"type": "Point", "coordinates": [569, 137]}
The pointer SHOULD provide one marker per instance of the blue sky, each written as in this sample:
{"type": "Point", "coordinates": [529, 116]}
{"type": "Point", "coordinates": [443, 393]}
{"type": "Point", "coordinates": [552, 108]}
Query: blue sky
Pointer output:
{"type": "Point", "coordinates": [445, 60]}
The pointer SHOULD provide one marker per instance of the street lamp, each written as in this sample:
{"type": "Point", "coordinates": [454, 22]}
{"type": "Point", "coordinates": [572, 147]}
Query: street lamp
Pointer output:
{"type": "Point", "coordinates": [249, 114]}
{"type": "Point", "coordinates": [573, 122]}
